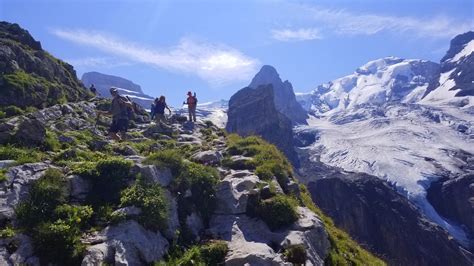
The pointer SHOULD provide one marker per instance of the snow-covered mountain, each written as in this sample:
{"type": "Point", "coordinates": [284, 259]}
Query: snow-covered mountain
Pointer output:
{"type": "Point", "coordinates": [409, 122]}
{"type": "Point", "coordinates": [383, 81]}
{"type": "Point", "coordinates": [216, 112]}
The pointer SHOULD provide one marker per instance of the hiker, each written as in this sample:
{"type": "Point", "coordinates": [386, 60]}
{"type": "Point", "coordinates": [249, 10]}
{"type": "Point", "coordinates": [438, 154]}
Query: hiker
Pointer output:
{"type": "Point", "coordinates": [93, 89]}
{"type": "Point", "coordinates": [191, 101]}
{"type": "Point", "coordinates": [160, 106]}
{"type": "Point", "coordinates": [120, 109]}
{"type": "Point", "coordinates": [152, 109]}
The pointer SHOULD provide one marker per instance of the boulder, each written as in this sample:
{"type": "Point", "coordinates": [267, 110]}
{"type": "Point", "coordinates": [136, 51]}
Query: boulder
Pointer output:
{"type": "Point", "coordinates": [194, 224]}
{"type": "Point", "coordinates": [156, 130]}
{"type": "Point", "coordinates": [211, 157]}
{"type": "Point", "coordinates": [173, 220]}
{"type": "Point", "coordinates": [15, 188]}
{"type": "Point", "coordinates": [79, 188]}
{"type": "Point", "coordinates": [154, 174]}
{"type": "Point", "coordinates": [128, 211]}
{"type": "Point", "coordinates": [23, 254]}
{"type": "Point", "coordinates": [31, 133]}
{"type": "Point", "coordinates": [233, 193]}
{"type": "Point", "coordinates": [127, 243]}
{"type": "Point", "coordinates": [6, 163]}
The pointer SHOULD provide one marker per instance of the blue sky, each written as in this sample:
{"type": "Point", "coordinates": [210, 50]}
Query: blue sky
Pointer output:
{"type": "Point", "coordinates": [215, 47]}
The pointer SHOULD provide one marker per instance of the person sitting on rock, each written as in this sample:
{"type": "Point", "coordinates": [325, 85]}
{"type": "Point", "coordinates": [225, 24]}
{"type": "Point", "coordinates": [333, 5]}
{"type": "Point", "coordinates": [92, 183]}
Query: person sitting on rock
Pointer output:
{"type": "Point", "coordinates": [191, 101]}
{"type": "Point", "coordinates": [120, 110]}
{"type": "Point", "coordinates": [160, 109]}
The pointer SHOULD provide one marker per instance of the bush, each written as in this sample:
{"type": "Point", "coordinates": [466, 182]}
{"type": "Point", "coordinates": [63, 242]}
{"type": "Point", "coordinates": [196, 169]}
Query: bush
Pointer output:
{"type": "Point", "coordinates": [2, 114]}
{"type": "Point", "coordinates": [170, 158]}
{"type": "Point", "coordinates": [201, 181]}
{"type": "Point", "coordinates": [12, 111]}
{"type": "Point", "coordinates": [212, 254]}
{"type": "Point", "coordinates": [7, 232]}
{"type": "Point", "coordinates": [296, 254]}
{"type": "Point", "coordinates": [151, 200]}
{"type": "Point", "coordinates": [45, 194]}
{"type": "Point", "coordinates": [278, 211]}
{"type": "Point", "coordinates": [108, 179]}
{"type": "Point", "coordinates": [58, 242]}
{"type": "Point", "coordinates": [78, 216]}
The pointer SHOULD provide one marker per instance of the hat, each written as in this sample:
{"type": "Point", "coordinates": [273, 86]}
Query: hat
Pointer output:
{"type": "Point", "coordinates": [113, 90]}
{"type": "Point", "coordinates": [190, 93]}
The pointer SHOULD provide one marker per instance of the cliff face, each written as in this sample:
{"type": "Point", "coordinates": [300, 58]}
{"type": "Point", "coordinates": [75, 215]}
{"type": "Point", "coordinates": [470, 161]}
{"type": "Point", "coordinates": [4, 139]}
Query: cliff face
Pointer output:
{"type": "Point", "coordinates": [30, 76]}
{"type": "Point", "coordinates": [284, 96]}
{"type": "Point", "coordinates": [253, 112]}
{"type": "Point", "coordinates": [375, 215]}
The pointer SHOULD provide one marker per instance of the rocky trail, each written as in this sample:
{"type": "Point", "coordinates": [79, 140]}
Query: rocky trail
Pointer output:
{"type": "Point", "coordinates": [73, 137]}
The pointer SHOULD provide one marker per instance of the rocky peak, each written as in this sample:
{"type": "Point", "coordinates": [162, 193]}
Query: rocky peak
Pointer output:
{"type": "Point", "coordinates": [14, 32]}
{"type": "Point", "coordinates": [267, 75]}
{"type": "Point", "coordinates": [457, 45]}
{"type": "Point", "coordinates": [30, 76]}
{"type": "Point", "coordinates": [284, 96]}
{"type": "Point", "coordinates": [253, 112]}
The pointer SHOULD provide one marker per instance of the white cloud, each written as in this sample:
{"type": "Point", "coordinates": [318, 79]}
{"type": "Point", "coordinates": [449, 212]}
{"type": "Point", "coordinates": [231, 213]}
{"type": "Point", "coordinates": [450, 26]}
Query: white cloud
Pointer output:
{"type": "Point", "coordinates": [288, 35]}
{"type": "Point", "coordinates": [96, 62]}
{"type": "Point", "coordinates": [345, 22]}
{"type": "Point", "coordinates": [217, 64]}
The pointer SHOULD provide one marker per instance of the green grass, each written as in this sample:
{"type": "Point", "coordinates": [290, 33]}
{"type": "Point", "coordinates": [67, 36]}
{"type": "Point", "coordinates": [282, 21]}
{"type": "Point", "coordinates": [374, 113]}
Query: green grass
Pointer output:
{"type": "Point", "coordinates": [212, 253]}
{"type": "Point", "coordinates": [21, 155]}
{"type": "Point", "coordinates": [169, 158]}
{"type": "Point", "coordinates": [344, 250]}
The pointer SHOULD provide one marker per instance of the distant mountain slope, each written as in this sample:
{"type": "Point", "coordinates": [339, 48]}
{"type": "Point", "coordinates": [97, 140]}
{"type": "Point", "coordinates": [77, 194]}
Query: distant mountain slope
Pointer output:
{"type": "Point", "coordinates": [30, 76]}
{"type": "Point", "coordinates": [103, 82]}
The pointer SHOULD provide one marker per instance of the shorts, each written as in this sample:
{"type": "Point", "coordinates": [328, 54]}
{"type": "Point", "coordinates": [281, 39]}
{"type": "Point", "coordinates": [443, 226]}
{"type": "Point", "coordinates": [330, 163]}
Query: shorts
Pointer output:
{"type": "Point", "coordinates": [119, 125]}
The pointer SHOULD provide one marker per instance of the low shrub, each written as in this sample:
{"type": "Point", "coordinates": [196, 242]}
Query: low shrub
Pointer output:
{"type": "Point", "coordinates": [3, 174]}
{"type": "Point", "coordinates": [170, 158]}
{"type": "Point", "coordinates": [201, 181]}
{"type": "Point", "coordinates": [7, 232]}
{"type": "Point", "coordinates": [278, 211]}
{"type": "Point", "coordinates": [150, 198]}
{"type": "Point", "coordinates": [78, 216]}
{"type": "Point", "coordinates": [45, 194]}
{"type": "Point", "coordinates": [58, 243]}
{"type": "Point", "coordinates": [108, 178]}
{"type": "Point", "coordinates": [51, 142]}
{"type": "Point", "coordinates": [2, 114]}
{"type": "Point", "coordinates": [296, 254]}
{"type": "Point", "coordinates": [212, 253]}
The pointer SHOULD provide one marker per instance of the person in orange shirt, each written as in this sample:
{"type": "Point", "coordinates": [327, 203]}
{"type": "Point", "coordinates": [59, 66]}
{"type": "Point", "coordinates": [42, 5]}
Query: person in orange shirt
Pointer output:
{"type": "Point", "coordinates": [191, 101]}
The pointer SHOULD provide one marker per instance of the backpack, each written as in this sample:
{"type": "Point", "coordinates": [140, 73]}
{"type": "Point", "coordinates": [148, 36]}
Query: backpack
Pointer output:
{"type": "Point", "coordinates": [160, 107]}
{"type": "Point", "coordinates": [130, 110]}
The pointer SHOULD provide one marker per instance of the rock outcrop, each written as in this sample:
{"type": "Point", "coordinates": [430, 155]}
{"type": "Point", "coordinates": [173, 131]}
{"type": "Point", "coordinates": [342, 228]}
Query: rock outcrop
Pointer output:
{"type": "Point", "coordinates": [103, 82]}
{"type": "Point", "coordinates": [384, 221]}
{"type": "Point", "coordinates": [284, 96]}
{"type": "Point", "coordinates": [454, 199]}
{"type": "Point", "coordinates": [253, 112]}
{"type": "Point", "coordinates": [30, 76]}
